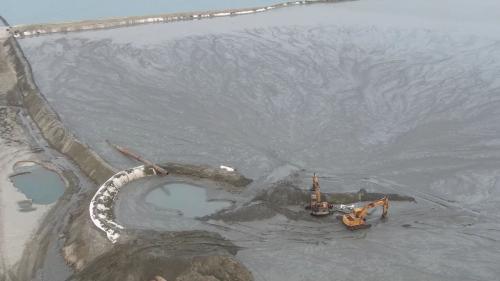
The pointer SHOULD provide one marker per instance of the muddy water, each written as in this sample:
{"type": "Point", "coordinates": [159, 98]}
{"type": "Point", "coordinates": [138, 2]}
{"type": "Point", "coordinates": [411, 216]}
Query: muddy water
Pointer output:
{"type": "Point", "coordinates": [169, 203]}
{"type": "Point", "coordinates": [190, 200]}
{"type": "Point", "coordinates": [377, 94]}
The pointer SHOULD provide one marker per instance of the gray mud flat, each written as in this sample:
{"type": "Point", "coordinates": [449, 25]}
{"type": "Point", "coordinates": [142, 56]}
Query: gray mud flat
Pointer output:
{"type": "Point", "coordinates": [382, 95]}
{"type": "Point", "coordinates": [182, 256]}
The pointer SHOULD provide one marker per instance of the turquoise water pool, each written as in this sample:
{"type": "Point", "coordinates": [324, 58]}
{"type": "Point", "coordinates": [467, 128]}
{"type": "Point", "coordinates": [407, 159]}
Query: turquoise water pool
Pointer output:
{"type": "Point", "coordinates": [42, 11]}
{"type": "Point", "coordinates": [37, 183]}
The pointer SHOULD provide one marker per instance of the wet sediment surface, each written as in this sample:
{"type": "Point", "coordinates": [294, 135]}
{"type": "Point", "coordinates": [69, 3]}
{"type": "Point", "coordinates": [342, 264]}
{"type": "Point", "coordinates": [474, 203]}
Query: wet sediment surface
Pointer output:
{"type": "Point", "coordinates": [172, 203]}
{"type": "Point", "coordinates": [191, 201]}
{"type": "Point", "coordinates": [350, 91]}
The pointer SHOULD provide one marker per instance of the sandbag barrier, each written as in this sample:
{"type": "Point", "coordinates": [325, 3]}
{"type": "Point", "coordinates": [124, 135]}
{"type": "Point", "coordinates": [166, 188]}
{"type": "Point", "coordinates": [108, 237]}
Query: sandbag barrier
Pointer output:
{"type": "Point", "coordinates": [101, 205]}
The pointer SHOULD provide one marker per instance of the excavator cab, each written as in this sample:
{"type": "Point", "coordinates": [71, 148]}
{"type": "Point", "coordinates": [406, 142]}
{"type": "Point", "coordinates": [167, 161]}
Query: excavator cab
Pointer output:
{"type": "Point", "coordinates": [357, 218]}
{"type": "Point", "coordinates": [318, 208]}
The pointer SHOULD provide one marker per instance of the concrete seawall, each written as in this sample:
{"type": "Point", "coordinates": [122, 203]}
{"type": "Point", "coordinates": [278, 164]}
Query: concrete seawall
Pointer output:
{"type": "Point", "coordinates": [48, 121]}
{"type": "Point", "coordinates": [49, 28]}
{"type": "Point", "coordinates": [101, 205]}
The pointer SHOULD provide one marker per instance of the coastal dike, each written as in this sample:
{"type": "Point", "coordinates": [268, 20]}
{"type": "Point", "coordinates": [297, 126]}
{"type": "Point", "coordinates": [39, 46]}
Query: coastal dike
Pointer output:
{"type": "Point", "coordinates": [28, 95]}
{"type": "Point", "coordinates": [64, 27]}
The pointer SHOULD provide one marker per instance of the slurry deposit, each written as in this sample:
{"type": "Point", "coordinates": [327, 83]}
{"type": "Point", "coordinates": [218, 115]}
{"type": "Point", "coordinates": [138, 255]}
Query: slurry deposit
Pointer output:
{"type": "Point", "coordinates": [190, 200]}
{"type": "Point", "coordinates": [101, 207]}
{"type": "Point", "coordinates": [391, 96]}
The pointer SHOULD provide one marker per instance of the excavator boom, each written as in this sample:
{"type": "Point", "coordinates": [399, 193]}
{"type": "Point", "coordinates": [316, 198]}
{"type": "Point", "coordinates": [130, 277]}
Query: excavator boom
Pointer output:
{"type": "Point", "coordinates": [357, 218]}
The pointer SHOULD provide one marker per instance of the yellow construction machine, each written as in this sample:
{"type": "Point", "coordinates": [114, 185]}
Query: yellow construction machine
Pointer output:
{"type": "Point", "coordinates": [318, 208]}
{"type": "Point", "coordinates": [357, 218]}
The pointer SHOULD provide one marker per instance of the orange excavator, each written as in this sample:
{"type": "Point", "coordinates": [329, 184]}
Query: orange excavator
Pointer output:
{"type": "Point", "coordinates": [357, 218]}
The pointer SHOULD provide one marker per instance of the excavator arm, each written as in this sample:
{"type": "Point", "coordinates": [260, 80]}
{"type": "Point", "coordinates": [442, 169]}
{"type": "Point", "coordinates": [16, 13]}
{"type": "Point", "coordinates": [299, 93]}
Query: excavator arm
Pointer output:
{"type": "Point", "coordinates": [357, 218]}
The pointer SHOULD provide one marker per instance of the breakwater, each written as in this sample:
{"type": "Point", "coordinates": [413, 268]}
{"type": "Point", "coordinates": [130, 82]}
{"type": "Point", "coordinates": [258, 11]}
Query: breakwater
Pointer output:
{"type": "Point", "coordinates": [100, 208]}
{"type": "Point", "coordinates": [50, 28]}
{"type": "Point", "coordinates": [101, 205]}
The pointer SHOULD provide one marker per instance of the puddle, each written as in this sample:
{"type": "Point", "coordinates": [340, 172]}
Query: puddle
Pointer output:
{"type": "Point", "coordinates": [38, 184]}
{"type": "Point", "coordinates": [189, 199]}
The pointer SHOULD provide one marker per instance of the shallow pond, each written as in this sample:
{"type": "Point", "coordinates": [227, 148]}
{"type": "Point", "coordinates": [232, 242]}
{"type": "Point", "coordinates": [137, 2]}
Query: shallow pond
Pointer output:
{"type": "Point", "coordinates": [39, 184]}
{"type": "Point", "coordinates": [189, 199]}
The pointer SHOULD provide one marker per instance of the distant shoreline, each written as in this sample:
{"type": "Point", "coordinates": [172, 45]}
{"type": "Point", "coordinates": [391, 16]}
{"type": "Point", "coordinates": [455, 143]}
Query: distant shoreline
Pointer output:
{"type": "Point", "coordinates": [30, 30]}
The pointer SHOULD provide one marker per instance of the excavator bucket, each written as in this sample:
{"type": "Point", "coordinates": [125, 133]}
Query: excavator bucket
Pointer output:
{"type": "Point", "coordinates": [357, 218]}
{"type": "Point", "coordinates": [352, 222]}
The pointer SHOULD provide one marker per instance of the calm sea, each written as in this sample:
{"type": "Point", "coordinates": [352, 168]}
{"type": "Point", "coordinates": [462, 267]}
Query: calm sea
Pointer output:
{"type": "Point", "coordinates": [42, 11]}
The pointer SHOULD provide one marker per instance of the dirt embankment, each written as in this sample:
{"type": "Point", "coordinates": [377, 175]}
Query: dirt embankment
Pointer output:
{"type": "Point", "coordinates": [143, 254]}
{"type": "Point", "coordinates": [27, 94]}
{"type": "Point", "coordinates": [26, 243]}
{"type": "Point", "coordinates": [234, 179]}
{"type": "Point", "coordinates": [193, 255]}
{"type": "Point", "coordinates": [178, 256]}
{"type": "Point", "coordinates": [139, 255]}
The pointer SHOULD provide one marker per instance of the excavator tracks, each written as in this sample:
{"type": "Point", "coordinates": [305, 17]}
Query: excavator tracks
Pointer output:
{"type": "Point", "coordinates": [357, 227]}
